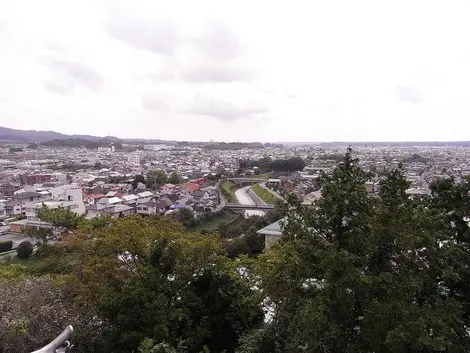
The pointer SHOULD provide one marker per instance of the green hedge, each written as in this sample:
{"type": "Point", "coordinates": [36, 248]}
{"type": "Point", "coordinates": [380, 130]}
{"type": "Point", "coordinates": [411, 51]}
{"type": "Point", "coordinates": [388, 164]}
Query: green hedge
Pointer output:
{"type": "Point", "coordinates": [6, 245]}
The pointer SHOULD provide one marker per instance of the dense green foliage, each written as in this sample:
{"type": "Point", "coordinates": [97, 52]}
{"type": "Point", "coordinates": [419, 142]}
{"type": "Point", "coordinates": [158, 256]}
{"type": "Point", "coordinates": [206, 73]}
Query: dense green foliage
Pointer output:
{"type": "Point", "coordinates": [156, 178]}
{"type": "Point", "coordinates": [357, 274]}
{"type": "Point", "coordinates": [174, 178]}
{"type": "Point", "coordinates": [59, 217]}
{"type": "Point", "coordinates": [24, 249]}
{"type": "Point", "coordinates": [6, 245]}
{"type": "Point", "coordinates": [266, 164]}
{"type": "Point", "coordinates": [226, 187]}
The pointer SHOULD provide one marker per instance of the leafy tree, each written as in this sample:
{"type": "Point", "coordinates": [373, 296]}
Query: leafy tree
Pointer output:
{"type": "Point", "coordinates": [184, 215]}
{"type": "Point", "coordinates": [139, 178]}
{"type": "Point", "coordinates": [60, 217]}
{"type": "Point", "coordinates": [24, 250]}
{"type": "Point", "coordinates": [156, 178]}
{"type": "Point", "coordinates": [41, 235]}
{"type": "Point", "coordinates": [160, 283]}
{"type": "Point", "coordinates": [6, 245]}
{"type": "Point", "coordinates": [174, 178]}
{"type": "Point", "coordinates": [361, 274]}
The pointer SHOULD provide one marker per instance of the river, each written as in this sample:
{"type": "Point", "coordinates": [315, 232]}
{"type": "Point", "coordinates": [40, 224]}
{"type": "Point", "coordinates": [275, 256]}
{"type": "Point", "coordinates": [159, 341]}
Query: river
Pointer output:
{"type": "Point", "coordinates": [244, 199]}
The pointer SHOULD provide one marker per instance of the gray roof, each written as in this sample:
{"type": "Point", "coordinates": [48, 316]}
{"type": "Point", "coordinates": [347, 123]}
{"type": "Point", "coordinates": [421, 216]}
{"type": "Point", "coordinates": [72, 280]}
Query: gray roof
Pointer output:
{"type": "Point", "coordinates": [272, 229]}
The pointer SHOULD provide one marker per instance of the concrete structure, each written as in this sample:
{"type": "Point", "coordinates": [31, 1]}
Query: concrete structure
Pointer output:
{"type": "Point", "coordinates": [3, 213]}
{"type": "Point", "coordinates": [151, 208]}
{"type": "Point", "coordinates": [106, 149]}
{"type": "Point", "coordinates": [134, 158]}
{"type": "Point", "coordinates": [272, 233]}
{"type": "Point", "coordinates": [66, 196]}
{"type": "Point", "coordinates": [237, 206]}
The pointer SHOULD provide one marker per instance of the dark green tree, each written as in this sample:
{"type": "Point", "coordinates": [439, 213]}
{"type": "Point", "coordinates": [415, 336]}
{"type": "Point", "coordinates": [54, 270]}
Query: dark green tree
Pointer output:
{"type": "Point", "coordinates": [156, 178]}
{"type": "Point", "coordinates": [360, 274]}
{"type": "Point", "coordinates": [60, 217]}
{"type": "Point", "coordinates": [174, 178]}
{"type": "Point", "coordinates": [24, 249]}
{"type": "Point", "coordinates": [139, 178]}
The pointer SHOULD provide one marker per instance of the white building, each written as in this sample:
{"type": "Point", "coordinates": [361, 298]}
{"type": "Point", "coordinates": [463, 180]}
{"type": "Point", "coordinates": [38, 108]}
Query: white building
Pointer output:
{"type": "Point", "coordinates": [32, 208]}
{"type": "Point", "coordinates": [134, 158]}
{"type": "Point", "coordinates": [156, 147]}
{"type": "Point", "coordinates": [3, 213]}
{"type": "Point", "coordinates": [67, 196]}
{"type": "Point", "coordinates": [106, 149]}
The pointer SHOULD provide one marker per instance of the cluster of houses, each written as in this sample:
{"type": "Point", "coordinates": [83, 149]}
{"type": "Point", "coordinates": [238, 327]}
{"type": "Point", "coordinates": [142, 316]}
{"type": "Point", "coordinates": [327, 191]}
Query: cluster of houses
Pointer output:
{"type": "Point", "coordinates": [114, 200]}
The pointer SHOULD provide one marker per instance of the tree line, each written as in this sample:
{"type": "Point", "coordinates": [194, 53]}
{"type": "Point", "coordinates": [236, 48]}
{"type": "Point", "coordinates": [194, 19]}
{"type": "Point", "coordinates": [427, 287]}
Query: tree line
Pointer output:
{"type": "Point", "coordinates": [354, 273]}
{"type": "Point", "coordinates": [267, 164]}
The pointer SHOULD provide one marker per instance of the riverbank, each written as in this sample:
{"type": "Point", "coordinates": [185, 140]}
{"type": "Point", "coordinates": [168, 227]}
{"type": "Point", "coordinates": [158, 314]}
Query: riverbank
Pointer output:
{"type": "Point", "coordinates": [264, 194]}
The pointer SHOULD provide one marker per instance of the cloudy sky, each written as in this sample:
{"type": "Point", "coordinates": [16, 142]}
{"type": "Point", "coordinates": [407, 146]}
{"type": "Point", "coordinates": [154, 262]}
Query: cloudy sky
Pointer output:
{"type": "Point", "coordinates": [253, 70]}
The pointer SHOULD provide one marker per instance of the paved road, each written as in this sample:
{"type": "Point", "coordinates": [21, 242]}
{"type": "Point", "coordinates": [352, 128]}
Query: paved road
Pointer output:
{"type": "Point", "coordinates": [14, 237]}
{"type": "Point", "coordinates": [244, 199]}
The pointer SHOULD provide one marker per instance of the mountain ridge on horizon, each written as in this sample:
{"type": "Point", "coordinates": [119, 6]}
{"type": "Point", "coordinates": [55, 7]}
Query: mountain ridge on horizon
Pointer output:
{"type": "Point", "coordinates": [26, 136]}
{"type": "Point", "coordinates": [10, 134]}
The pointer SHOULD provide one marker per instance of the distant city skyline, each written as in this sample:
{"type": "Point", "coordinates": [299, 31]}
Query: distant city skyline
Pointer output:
{"type": "Point", "coordinates": [237, 70]}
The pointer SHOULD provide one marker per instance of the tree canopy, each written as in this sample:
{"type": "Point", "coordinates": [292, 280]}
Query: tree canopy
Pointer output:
{"type": "Point", "coordinates": [357, 274]}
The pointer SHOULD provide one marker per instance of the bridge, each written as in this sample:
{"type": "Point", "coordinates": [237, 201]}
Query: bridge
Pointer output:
{"type": "Point", "coordinates": [241, 181]}
{"type": "Point", "coordinates": [237, 206]}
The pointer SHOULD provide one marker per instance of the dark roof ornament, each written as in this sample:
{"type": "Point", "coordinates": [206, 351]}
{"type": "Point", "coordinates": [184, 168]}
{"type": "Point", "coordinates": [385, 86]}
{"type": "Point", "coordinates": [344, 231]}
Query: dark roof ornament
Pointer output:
{"type": "Point", "coordinates": [61, 344]}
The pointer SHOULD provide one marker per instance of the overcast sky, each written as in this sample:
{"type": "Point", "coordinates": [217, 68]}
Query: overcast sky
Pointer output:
{"type": "Point", "coordinates": [238, 70]}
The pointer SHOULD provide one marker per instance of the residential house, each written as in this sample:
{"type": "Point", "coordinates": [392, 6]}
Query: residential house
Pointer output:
{"type": "Point", "coordinates": [130, 200]}
{"type": "Point", "coordinates": [92, 199]}
{"type": "Point", "coordinates": [152, 207]}
{"type": "Point", "coordinates": [14, 208]}
{"type": "Point", "coordinates": [119, 211]}
{"type": "Point", "coordinates": [113, 193]}
{"type": "Point", "coordinates": [107, 202]}
{"type": "Point", "coordinates": [144, 196]}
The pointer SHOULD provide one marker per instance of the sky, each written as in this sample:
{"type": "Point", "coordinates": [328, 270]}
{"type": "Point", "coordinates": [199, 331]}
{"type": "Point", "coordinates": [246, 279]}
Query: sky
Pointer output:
{"type": "Point", "coordinates": [269, 71]}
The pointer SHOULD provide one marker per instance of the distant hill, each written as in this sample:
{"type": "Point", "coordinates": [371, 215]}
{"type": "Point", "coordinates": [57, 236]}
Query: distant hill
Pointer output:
{"type": "Point", "coordinates": [40, 136]}
{"type": "Point", "coordinates": [8, 134]}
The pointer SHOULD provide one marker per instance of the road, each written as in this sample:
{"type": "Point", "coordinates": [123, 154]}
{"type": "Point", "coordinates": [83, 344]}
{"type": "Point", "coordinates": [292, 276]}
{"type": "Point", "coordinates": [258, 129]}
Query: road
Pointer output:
{"type": "Point", "coordinates": [14, 237]}
{"type": "Point", "coordinates": [245, 199]}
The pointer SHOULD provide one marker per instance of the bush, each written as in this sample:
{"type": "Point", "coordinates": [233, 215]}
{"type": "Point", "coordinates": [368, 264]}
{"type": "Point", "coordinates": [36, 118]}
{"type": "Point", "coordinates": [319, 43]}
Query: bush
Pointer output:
{"type": "Point", "coordinates": [24, 250]}
{"type": "Point", "coordinates": [6, 245]}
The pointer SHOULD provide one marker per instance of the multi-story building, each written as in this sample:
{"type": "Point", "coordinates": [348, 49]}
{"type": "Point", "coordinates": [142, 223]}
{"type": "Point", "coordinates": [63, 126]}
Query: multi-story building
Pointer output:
{"type": "Point", "coordinates": [134, 158]}
{"type": "Point", "coordinates": [31, 179]}
{"type": "Point", "coordinates": [66, 196]}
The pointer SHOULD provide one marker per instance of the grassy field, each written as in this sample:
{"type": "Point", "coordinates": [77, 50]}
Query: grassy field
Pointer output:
{"type": "Point", "coordinates": [214, 223]}
{"type": "Point", "coordinates": [264, 194]}
{"type": "Point", "coordinates": [227, 190]}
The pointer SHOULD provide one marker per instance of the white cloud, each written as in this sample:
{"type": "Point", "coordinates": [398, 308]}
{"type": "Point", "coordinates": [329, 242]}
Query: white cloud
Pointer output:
{"type": "Point", "coordinates": [306, 71]}
{"type": "Point", "coordinates": [224, 111]}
